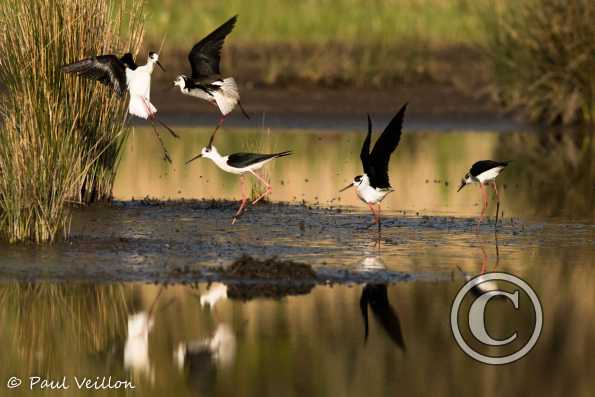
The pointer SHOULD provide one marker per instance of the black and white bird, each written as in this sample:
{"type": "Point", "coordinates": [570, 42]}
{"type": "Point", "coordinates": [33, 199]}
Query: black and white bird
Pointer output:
{"type": "Point", "coordinates": [373, 186]}
{"type": "Point", "coordinates": [205, 81]}
{"type": "Point", "coordinates": [241, 164]}
{"type": "Point", "coordinates": [484, 172]}
{"type": "Point", "coordinates": [122, 74]}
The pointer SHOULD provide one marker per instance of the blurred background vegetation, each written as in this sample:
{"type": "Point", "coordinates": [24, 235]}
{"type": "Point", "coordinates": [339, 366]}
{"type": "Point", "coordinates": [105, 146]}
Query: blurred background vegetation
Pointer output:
{"type": "Point", "coordinates": [534, 56]}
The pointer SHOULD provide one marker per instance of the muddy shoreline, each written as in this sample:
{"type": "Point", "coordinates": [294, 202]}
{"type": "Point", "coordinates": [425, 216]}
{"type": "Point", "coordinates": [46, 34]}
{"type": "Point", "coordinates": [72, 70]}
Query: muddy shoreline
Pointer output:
{"type": "Point", "coordinates": [188, 242]}
{"type": "Point", "coordinates": [432, 106]}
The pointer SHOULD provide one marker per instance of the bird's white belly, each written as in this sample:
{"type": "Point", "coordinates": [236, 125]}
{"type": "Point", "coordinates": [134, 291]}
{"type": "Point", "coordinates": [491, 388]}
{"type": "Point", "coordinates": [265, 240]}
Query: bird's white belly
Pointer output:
{"type": "Point", "coordinates": [489, 175]}
{"type": "Point", "coordinates": [139, 83]}
{"type": "Point", "coordinates": [368, 194]}
{"type": "Point", "coordinates": [198, 93]}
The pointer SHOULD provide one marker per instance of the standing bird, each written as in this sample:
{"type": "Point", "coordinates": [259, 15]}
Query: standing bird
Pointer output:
{"type": "Point", "coordinates": [122, 74]}
{"type": "Point", "coordinates": [373, 185]}
{"type": "Point", "coordinates": [205, 82]}
{"type": "Point", "coordinates": [240, 164]}
{"type": "Point", "coordinates": [484, 172]}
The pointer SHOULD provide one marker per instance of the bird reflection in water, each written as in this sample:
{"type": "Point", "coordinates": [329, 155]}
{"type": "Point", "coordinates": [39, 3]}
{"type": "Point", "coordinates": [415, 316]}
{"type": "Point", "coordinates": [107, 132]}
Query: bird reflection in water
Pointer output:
{"type": "Point", "coordinates": [484, 286]}
{"type": "Point", "coordinates": [375, 296]}
{"type": "Point", "coordinates": [200, 359]}
{"type": "Point", "coordinates": [136, 347]}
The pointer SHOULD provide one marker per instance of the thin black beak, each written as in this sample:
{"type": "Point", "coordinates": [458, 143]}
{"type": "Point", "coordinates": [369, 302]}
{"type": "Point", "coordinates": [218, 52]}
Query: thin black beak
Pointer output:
{"type": "Point", "coordinates": [346, 187]}
{"type": "Point", "coordinates": [194, 158]}
{"type": "Point", "coordinates": [462, 186]}
{"type": "Point", "coordinates": [160, 65]}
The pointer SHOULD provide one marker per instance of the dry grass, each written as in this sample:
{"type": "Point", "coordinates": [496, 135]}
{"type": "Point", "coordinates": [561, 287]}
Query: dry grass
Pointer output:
{"type": "Point", "coordinates": [542, 55]}
{"type": "Point", "coordinates": [61, 136]}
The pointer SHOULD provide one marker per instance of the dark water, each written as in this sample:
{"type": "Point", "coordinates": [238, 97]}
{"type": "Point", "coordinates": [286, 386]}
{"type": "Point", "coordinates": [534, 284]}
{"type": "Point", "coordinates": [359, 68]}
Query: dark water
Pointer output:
{"type": "Point", "coordinates": [136, 294]}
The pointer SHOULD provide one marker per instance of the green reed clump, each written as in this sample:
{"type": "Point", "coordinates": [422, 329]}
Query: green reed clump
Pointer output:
{"type": "Point", "coordinates": [542, 58]}
{"type": "Point", "coordinates": [61, 135]}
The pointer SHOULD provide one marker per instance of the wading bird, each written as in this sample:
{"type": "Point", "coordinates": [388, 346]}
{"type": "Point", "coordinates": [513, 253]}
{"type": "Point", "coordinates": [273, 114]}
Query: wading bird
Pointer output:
{"type": "Point", "coordinates": [484, 172]}
{"type": "Point", "coordinates": [373, 185]}
{"type": "Point", "coordinates": [122, 74]}
{"type": "Point", "coordinates": [240, 164]}
{"type": "Point", "coordinates": [205, 81]}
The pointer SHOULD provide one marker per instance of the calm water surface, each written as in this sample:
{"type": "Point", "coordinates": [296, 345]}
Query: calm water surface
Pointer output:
{"type": "Point", "coordinates": [185, 336]}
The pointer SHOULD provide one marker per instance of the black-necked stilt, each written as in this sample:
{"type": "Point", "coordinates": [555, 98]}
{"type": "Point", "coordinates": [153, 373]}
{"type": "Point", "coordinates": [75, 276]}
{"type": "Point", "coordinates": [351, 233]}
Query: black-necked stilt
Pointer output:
{"type": "Point", "coordinates": [485, 172]}
{"type": "Point", "coordinates": [240, 164]}
{"type": "Point", "coordinates": [373, 185]}
{"type": "Point", "coordinates": [205, 82]}
{"type": "Point", "coordinates": [122, 74]}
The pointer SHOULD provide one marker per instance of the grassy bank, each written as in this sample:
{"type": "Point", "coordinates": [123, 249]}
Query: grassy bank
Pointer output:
{"type": "Point", "coordinates": [61, 136]}
{"type": "Point", "coordinates": [330, 43]}
{"type": "Point", "coordinates": [536, 56]}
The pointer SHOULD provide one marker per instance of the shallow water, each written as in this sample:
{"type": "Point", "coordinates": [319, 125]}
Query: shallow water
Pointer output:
{"type": "Point", "coordinates": [83, 307]}
{"type": "Point", "coordinates": [310, 344]}
{"type": "Point", "coordinates": [551, 178]}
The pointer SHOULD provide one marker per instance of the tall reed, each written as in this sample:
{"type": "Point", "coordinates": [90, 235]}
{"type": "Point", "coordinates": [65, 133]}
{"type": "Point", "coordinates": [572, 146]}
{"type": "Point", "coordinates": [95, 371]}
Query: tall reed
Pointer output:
{"type": "Point", "coordinates": [542, 57]}
{"type": "Point", "coordinates": [61, 135]}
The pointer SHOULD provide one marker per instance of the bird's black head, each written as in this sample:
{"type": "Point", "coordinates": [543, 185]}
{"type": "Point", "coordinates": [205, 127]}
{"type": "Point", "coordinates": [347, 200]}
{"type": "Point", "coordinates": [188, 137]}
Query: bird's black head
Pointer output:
{"type": "Point", "coordinates": [356, 182]}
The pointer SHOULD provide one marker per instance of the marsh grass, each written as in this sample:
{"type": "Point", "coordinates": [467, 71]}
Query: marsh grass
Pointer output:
{"type": "Point", "coordinates": [61, 135]}
{"type": "Point", "coordinates": [542, 58]}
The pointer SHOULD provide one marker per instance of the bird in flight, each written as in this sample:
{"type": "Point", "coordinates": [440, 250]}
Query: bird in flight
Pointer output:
{"type": "Point", "coordinates": [241, 164]}
{"type": "Point", "coordinates": [373, 186]}
{"type": "Point", "coordinates": [123, 74]}
{"type": "Point", "coordinates": [205, 81]}
{"type": "Point", "coordinates": [484, 172]}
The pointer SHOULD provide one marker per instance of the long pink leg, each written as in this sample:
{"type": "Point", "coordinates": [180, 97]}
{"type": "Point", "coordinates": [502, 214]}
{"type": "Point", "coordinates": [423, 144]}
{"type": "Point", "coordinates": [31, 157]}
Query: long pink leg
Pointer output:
{"type": "Point", "coordinates": [268, 190]}
{"type": "Point", "coordinates": [484, 261]}
{"type": "Point", "coordinates": [485, 204]}
{"type": "Point", "coordinates": [244, 200]}
{"type": "Point", "coordinates": [497, 201]}
{"type": "Point", "coordinates": [376, 214]}
{"type": "Point", "coordinates": [219, 124]}
{"type": "Point", "coordinates": [153, 118]}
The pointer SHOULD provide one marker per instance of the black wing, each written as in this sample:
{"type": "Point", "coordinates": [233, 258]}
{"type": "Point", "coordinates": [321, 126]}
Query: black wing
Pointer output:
{"type": "Point", "coordinates": [241, 160]}
{"type": "Point", "coordinates": [107, 69]}
{"type": "Point", "coordinates": [365, 153]}
{"type": "Point", "coordinates": [205, 55]}
{"type": "Point", "coordinates": [485, 165]}
{"type": "Point", "coordinates": [383, 148]}
{"type": "Point", "coordinates": [376, 296]}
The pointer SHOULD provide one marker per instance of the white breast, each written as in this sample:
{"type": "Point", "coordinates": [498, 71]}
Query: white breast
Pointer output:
{"type": "Point", "coordinates": [368, 194]}
{"type": "Point", "coordinates": [139, 82]}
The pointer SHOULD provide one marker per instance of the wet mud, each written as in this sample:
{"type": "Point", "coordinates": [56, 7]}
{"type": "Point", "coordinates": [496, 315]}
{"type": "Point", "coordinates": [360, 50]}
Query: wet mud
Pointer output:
{"type": "Point", "coordinates": [192, 241]}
